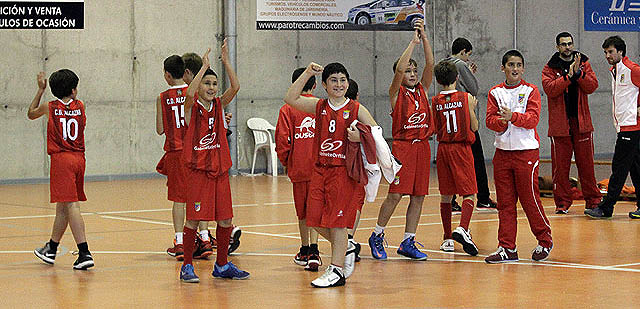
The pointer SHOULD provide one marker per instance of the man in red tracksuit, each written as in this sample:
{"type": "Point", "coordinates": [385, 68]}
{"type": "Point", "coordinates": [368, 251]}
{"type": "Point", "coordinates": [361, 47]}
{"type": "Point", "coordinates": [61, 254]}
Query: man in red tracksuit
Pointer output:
{"type": "Point", "coordinates": [568, 79]}
{"type": "Point", "coordinates": [513, 112]}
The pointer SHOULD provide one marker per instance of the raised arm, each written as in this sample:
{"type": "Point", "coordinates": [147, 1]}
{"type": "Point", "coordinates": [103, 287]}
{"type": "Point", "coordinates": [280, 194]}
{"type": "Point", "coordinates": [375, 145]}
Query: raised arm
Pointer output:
{"type": "Point", "coordinates": [192, 90]}
{"type": "Point", "coordinates": [231, 92]}
{"type": "Point", "coordinates": [293, 96]}
{"type": "Point", "coordinates": [472, 114]}
{"type": "Point", "coordinates": [401, 67]}
{"type": "Point", "coordinates": [427, 72]}
{"type": "Point", "coordinates": [159, 122]}
{"type": "Point", "coordinates": [35, 109]}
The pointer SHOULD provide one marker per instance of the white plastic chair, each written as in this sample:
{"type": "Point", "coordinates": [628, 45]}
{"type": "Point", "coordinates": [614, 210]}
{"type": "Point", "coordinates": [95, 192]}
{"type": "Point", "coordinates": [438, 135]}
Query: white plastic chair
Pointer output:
{"type": "Point", "coordinates": [263, 139]}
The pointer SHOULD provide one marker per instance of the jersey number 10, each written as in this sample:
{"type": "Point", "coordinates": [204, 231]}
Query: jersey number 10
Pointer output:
{"type": "Point", "coordinates": [69, 128]}
{"type": "Point", "coordinates": [451, 121]}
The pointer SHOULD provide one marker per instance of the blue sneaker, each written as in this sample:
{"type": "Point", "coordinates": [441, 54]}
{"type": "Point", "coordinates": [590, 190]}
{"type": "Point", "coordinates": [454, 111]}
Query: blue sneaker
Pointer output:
{"type": "Point", "coordinates": [229, 271]}
{"type": "Point", "coordinates": [187, 274]}
{"type": "Point", "coordinates": [377, 247]}
{"type": "Point", "coordinates": [408, 248]}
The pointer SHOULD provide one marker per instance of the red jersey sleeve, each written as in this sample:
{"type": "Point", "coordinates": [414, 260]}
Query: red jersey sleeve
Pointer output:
{"type": "Point", "coordinates": [283, 135]}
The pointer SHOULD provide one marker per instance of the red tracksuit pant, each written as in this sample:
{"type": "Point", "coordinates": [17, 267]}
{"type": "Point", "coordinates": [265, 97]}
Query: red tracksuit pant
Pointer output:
{"type": "Point", "coordinates": [562, 148]}
{"type": "Point", "coordinates": [515, 174]}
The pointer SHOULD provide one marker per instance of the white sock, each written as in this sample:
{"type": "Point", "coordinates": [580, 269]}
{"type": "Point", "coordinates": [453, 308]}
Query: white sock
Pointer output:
{"type": "Point", "coordinates": [179, 238]}
{"type": "Point", "coordinates": [378, 230]}
{"type": "Point", "coordinates": [204, 235]}
{"type": "Point", "coordinates": [408, 235]}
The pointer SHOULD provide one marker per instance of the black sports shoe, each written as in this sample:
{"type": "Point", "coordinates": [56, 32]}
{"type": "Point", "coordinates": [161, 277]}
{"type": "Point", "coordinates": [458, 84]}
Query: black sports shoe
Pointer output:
{"type": "Point", "coordinates": [597, 213]}
{"type": "Point", "coordinates": [46, 254]}
{"type": "Point", "coordinates": [83, 262]}
{"type": "Point", "coordinates": [234, 242]}
{"type": "Point", "coordinates": [455, 207]}
{"type": "Point", "coordinates": [635, 214]}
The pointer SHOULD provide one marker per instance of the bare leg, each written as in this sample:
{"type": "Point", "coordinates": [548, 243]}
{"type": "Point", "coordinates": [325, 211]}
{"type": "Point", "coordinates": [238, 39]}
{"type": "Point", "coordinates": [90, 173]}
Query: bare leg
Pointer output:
{"type": "Point", "coordinates": [355, 224]}
{"type": "Point", "coordinates": [304, 232]}
{"type": "Point", "coordinates": [203, 225]}
{"type": "Point", "coordinates": [178, 213]}
{"type": "Point", "coordinates": [338, 245]}
{"type": "Point", "coordinates": [413, 214]}
{"type": "Point", "coordinates": [388, 207]}
{"type": "Point", "coordinates": [76, 222]}
{"type": "Point", "coordinates": [324, 232]}
{"type": "Point", "coordinates": [60, 223]}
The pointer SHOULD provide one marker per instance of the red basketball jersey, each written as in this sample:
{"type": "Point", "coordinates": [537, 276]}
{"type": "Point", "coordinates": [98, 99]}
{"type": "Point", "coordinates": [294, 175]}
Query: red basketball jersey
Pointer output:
{"type": "Point", "coordinates": [205, 144]}
{"type": "Point", "coordinates": [172, 102]}
{"type": "Point", "coordinates": [451, 119]}
{"type": "Point", "coordinates": [331, 131]}
{"type": "Point", "coordinates": [65, 129]}
{"type": "Point", "coordinates": [411, 117]}
{"type": "Point", "coordinates": [300, 132]}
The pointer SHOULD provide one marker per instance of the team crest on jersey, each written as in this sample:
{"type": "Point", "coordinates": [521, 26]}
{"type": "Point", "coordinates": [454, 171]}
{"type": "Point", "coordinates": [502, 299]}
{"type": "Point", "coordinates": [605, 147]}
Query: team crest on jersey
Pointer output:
{"type": "Point", "coordinates": [447, 98]}
{"type": "Point", "coordinates": [396, 181]}
{"type": "Point", "coordinates": [324, 112]}
{"type": "Point", "coordinates": [521, 98]}
{"type": "Point", "coordinates": [179, 92]}
{"type": "Point", "coordinates": [622, 78]}
{"type": "Point", "coordinates": [197, 206]}
{"type": "Point", "coordinates": [345, 114]}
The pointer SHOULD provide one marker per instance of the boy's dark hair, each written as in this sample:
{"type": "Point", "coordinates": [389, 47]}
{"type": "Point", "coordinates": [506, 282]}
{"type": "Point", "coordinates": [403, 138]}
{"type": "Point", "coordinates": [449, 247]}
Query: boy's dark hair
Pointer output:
{"type": "Point", "coordinates": [333, 68]}
{"type": "Point", "coordinates": [411, 61]}
{"type": "Point", "coordinates": [563, 35]}
{"type": "Point", "coordinates": [617, 42]}
{"type": "Point", "coordinates": [62, 83]}
{"type": "Point", "coordinates": [175, 66]}
{"type": "Point", "coordinates": [192, 62]}
{"type": "Point", "coordinates": [446, 72]}
{"type": "Point", "coordinates": [209, 71]}
{"type": "Point", "coordinates": [512, 53]}
{"type": "Point", "coordinates": [310, 83]}
{"type": "Point", "coordinates": [352, 91]}
{"type": "Point", "coordinates": [460, 44]}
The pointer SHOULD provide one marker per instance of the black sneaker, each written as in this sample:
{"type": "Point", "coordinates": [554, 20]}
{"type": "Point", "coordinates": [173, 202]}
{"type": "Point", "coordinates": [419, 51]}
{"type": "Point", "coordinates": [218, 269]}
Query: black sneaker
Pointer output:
{"type": "Point", "coordinates": [489, 206]}
{"type": "Point", "coordinates": [234, 242]}
{"type": "Point", "coordinates": [635, 214]}
{"type": "Point", "coordinates": [46, 254]}
{"type": "Point", "coordinates": [358, 248]}
{"type": "Point", "coordinates": [597, 213]}
{"type": "Point", "coordinates": [83, 262]}
{"type": "Point", "coordinates": [455, 207]}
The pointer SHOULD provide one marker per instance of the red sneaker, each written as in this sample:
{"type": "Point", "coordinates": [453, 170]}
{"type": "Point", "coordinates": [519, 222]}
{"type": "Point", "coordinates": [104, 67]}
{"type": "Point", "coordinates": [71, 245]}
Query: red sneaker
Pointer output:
{"type": "Point", "coordinates": [176, 251]}
{"type": "Point", "coordinates": [203, 249]}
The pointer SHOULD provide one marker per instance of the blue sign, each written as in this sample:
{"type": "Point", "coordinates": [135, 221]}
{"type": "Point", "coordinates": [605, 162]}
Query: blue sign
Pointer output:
{"type": "Point", "coordinates": [612, 15]}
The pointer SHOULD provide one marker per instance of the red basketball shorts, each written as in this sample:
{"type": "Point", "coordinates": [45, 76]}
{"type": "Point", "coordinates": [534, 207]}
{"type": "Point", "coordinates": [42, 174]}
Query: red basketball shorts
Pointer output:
{"type": "Point", "coordinates": [413, 177]}
{"type": "Point", "coordinates": [208, 197]}
{"type": "Point", "coordinates": [66, 183]}
{"type": "Point", "coordinates": [171, 165]}
{"type": "Point", "coordinates": [332, 198]}
{"type": "Point", "coordinates": [301, 198]}
{"type": "Point", "coordinates": [456, 173]}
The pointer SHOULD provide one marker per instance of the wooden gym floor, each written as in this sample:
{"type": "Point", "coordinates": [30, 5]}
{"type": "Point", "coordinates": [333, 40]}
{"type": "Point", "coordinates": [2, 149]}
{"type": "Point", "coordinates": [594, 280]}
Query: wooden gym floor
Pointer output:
{"type": "Point", "coordinates": [593, 264]}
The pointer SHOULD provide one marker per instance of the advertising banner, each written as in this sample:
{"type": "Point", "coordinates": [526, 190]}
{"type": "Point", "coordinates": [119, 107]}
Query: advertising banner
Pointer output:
{"type": "Point", "coordinates": [61, 14]}
{"type": "Point", "coordinates": [612, 15]}
{"type": "Point", "coordinates": [338, 14]}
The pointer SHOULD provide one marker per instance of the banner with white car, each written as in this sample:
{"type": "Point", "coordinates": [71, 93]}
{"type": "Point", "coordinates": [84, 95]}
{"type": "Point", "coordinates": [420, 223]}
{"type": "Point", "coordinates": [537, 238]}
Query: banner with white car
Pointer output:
{"type": "Point", "coordinates": [338, 14]}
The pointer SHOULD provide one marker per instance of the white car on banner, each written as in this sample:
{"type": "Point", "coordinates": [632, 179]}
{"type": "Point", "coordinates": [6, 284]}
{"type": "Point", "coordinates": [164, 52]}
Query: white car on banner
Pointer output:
{"type": "Point", "coordinates": [386, 12]}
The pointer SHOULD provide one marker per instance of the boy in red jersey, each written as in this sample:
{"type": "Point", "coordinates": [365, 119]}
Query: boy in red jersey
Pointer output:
{"type": "Point", "coordinates": [332, 208]}
{"type": "Point", "coordinates": [294, 142]}
{"type": "Point", "coordinates": [455, 122]}
{"type": "Point", "coordinates": [65, 145]}
{"type": "Point", "coordinates": [513, 112]}
{"type": "Point", "coordinates": [170, 122]}
{"type": "Point", "coordinates": [204, 241]}
{"type": "Point", "coordinates": [411, 118]}
{"type": "Point", "coordinates": [207, 158]}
